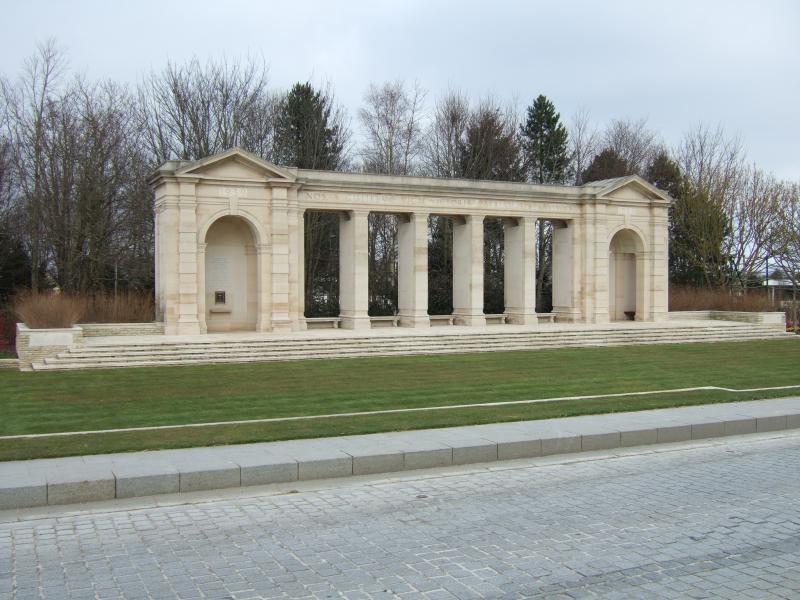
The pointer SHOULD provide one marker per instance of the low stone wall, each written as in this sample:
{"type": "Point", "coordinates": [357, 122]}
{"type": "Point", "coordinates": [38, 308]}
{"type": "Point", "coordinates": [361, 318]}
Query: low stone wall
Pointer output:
{"type": "Point", "coordinates": [764, 318]}
{"type": "Point", "coordinates": [9, 363]}
{"type": "Point", "coordinates": [34, 345]}
{"type": "Point", "coordinates": [113, 329]}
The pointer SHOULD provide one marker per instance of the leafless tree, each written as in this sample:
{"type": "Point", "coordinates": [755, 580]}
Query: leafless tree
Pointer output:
{"type": "Point", "coordinates": [584, 142]}
{"type": "Point", "coordinates": [26, 106]}
{"type": "Point", "coordinates": [392, 124]}
{"type": "Point", "coordinates": [441, 155]}
{"type": "Point", "coordinates": [634, 142]}
{"type": "Point", "coordinates": [712, 162]}
{"type": "Point", "coordinates": [194, 110]}
{"type": "Point", "coordinates": [784, 240]}
{"type": "Point", "coordinates": [752, 215]}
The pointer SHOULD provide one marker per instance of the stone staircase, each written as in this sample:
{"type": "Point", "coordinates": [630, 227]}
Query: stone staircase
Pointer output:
{"type": "Point", "coordinates": [155, 351]}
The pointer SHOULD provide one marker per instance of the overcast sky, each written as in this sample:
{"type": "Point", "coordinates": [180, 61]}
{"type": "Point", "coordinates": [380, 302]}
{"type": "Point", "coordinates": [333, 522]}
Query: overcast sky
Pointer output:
{"type": "Point", "coordinates": [677, 63]}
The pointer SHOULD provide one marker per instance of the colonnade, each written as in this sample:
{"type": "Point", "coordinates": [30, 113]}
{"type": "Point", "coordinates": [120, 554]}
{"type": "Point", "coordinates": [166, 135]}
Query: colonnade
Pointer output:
{"type": "Point", "coordinates": [468, 269]}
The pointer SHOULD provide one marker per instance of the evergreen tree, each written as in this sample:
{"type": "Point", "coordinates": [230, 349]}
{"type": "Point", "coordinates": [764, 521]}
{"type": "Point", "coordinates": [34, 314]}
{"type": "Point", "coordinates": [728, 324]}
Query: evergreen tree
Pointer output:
{"type": "Point", "coordinates": [665, 174]}
{"type": "Point", "coordinates": [544, 143]}
{"type": "Point", "coordinates": [310, 134]}
{"type": "Point", "coordinates": [606, 165]}
{"type": "Point", "coordinates": [546, 158]}
{"type": "Point", "coordinates": [697, 229]}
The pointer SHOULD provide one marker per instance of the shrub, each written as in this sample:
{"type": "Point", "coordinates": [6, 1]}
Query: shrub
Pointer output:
{"type": "Point", "coordinates": [48, 309]}
{"type": "Point", "coordinates": [125, 307]}
{"type": "Point", "coordinates": [696, 298]}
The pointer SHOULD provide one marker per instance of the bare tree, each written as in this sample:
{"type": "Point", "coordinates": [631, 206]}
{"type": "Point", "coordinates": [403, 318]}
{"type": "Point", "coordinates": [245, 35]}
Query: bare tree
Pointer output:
{"type": "Point", "coordinates": [194, 110]}
{"type": "Point", "coordinates": [752, 214]}
{"type": "Point", "coordinates": [445, 136]}
{"type": "Point", "coordinates": [712, 162]}
{"type": "Point", "coordinates": [26, 103]}
{"type": "Point", "coordinates": [634, 142]}
{"type": "Point", "coordinates": [584, 142]}
{"type": "Point", "coordinates": [784, 240]}
{"type": "Point", "coordinates": [391, 119]}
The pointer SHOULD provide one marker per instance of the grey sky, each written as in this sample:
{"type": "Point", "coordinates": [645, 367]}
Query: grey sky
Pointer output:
{"type": "Point", "coordinates": [677, 63]}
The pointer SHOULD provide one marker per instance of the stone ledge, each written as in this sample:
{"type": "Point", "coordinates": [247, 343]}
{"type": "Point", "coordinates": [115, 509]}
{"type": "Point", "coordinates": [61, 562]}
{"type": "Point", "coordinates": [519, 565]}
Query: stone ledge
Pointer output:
{"type": "Point", "coordinates": [76, 480]}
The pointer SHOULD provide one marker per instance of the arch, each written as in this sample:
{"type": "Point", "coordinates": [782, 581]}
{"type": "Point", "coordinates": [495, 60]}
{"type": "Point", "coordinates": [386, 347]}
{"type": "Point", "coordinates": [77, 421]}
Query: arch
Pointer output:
{"type": "Point", "coordinates": [626, 275]}
{"type": "Point", "coordinates": [230, 275]}
{"type": "Point", "coordinates": [256, 229]}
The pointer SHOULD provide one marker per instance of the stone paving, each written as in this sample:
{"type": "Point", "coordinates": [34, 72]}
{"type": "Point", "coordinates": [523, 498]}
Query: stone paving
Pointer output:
{"type": "Point", "coordinates": [701, 520]}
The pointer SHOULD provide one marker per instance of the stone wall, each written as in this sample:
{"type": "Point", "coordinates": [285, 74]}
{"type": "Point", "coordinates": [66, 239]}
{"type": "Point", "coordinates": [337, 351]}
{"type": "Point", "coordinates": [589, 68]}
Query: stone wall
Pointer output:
{"type": "Point", "coordinates": [114, 329]}
{"type": "Point", "coordinates": [34, 345]}
{"type": "Point", "coordinates": [764, 318]}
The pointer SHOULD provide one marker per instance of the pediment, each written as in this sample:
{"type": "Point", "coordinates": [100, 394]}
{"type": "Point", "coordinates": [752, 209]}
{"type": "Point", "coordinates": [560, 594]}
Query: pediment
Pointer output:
{"type": "Point", "coordinates": [237, 164]}
{"type": "Point", "coordinates": [632, 188]}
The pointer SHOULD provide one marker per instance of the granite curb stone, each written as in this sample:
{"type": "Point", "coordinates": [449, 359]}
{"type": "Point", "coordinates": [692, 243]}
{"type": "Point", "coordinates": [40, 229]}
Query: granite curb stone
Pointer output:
{"type": "Point", "coordinates": [104, 477]}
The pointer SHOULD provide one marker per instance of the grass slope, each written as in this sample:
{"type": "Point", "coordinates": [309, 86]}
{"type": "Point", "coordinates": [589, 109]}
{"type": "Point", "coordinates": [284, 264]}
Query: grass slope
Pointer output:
{"type": "Point", "coordinates": [103, 399]}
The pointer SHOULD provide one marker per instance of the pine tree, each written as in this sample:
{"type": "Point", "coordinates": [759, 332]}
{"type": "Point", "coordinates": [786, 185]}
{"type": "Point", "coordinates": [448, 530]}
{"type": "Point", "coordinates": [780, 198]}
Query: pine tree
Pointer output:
{"type": "Point", "coordinates": [309, 134]}
{"type": "Point", "coordinates": [544, 143]}
{"type": "Point", "coordinates": [546, 158]}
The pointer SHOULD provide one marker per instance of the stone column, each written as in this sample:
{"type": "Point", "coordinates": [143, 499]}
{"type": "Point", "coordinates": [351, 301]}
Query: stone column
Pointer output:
{"type": "Point", "coordinates": [295, 267]}
{"type": "Point", "coordinates": [566, 272]}
{"type": "Point", "coordinates": [597, 264]}
{"type": "Point", "coordinates": [188, 323]}
{"type": "Point", "coordinates": [300, 262]}
{"type": "Point", "coordinates": [412, 270]}
{"type": "Point", "coordinates": [280, 261]}
{"type": "Point", "coordinates": [468, 270]}
{"type": "Point", "coordinates": [354, 270]}
{"type": "Point", "coordinates": [520, 270]}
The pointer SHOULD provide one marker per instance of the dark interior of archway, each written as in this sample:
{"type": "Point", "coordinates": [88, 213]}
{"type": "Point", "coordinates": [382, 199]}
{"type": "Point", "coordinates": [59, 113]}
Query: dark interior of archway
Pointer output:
{"type": "Point", "coordinates": [321, 264]}
{"type": "Point", "coordinates": [382, 252]}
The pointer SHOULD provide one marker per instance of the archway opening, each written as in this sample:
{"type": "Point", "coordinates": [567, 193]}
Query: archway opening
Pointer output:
{"type": "Point", "coordinates": [231, 267]}
{"type": "Point", "coordinates": [624, 280]}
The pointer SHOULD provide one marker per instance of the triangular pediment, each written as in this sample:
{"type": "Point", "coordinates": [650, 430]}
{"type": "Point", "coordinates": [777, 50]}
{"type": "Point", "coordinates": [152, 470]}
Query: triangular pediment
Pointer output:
{"type": "Point", "coordinates": [237, 164]}
{"type": "Point", "coordinates": [631, 188]}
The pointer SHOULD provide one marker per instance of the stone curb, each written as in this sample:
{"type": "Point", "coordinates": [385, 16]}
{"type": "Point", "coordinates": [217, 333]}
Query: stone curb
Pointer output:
{"type": "Point", "coordinates": [25, 484]}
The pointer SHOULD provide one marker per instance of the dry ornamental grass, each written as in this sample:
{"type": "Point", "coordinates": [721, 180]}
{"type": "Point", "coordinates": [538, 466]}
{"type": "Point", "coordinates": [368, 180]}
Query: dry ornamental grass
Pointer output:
{"type": "Point", "coordinates": [48, 309]}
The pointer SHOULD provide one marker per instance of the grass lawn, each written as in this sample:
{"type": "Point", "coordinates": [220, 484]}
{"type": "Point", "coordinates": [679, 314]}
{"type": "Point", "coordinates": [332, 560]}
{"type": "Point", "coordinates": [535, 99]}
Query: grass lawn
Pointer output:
{"type": "Point", "coordinates": [104, 399]}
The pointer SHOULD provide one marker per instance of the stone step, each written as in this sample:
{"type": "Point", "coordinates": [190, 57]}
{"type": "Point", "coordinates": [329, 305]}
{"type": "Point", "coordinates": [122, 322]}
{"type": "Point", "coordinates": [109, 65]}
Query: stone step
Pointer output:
{"type": "Point", "coordinates": [122, 359]}
{"type": "Point", "coordinates": [411, 340]}
{"type": "Point", "coordinates": [456, 336]}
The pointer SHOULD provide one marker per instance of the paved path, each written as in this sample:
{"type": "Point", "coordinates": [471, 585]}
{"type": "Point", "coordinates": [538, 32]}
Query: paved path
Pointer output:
{"type": "Point", "coordinates": [708, 519]}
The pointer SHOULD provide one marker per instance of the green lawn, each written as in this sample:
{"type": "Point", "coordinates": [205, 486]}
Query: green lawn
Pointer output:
{"type": "Point", "coordinates": [102, 399]}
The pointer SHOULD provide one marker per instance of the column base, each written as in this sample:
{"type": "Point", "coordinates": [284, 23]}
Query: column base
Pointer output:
{"type": "Point", "coordinates": [281, 326]}
{"type": "Point", "coordinates": [412, 320]}
{"type": "Point", "coordinates": [469, 319]}
{"type": "Point", "coordinates": [188, 328]}
{"type": "Point", "coordinates": [355, 322]}
{"type": "Point", "coordinates": [521, 317]}
{"type": "Point", "coordinates": [567, 314]}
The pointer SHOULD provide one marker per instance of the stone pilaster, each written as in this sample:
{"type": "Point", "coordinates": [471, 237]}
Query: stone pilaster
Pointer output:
{"type": "Point", "coordinates": [468, 270]}
{"type": "Point", "coordinates": [188, 322]}
{"type": "Point", "coordinates": [520, 270]}
{"type": "Point", "coordinates": [412, 270]}
{"type": "Point", "coordinates": [354, 270]}
{"type": "Point", "coordinates": [280, 318]}
{"type": "Point", "coordinates": [567, 272]}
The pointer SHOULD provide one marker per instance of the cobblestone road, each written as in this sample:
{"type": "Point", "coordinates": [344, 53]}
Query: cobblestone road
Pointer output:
{"type": "Point", "coordinates": [719, 521]}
